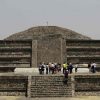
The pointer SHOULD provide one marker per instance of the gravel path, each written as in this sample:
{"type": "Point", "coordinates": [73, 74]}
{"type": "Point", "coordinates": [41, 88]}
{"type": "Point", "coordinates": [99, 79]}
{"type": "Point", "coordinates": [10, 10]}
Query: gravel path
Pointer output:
{"type": "Point", "coordinates": [61, 98]}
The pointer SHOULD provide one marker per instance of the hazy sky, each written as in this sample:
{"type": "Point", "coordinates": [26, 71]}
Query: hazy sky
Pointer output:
{"type": "Point", "coordinates": [82, 16]}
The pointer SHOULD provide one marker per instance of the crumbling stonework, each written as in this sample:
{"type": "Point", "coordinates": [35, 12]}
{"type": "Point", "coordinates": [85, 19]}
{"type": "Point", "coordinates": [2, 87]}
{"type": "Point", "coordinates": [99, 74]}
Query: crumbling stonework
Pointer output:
{"type": "Point", "coordinates": [13, 85]}
{"type": "Point", "coordinates": [83, 51]}
{"type": "Point", "coordinates": [15, 54]}
{"type": "Point", "coordinates": [87, 85]}
{"type": "Point", "coordinates": [48, 43]}
{"type": "Point", "coordinates": [50, 50]}
{"type": "Point", "coordinates": [37, 33]}
{"type": "Point", "coordinates": [50, 85]}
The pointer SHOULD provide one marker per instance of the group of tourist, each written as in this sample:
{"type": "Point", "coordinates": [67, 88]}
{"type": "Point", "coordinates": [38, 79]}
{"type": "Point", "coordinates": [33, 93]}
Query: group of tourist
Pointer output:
{"type": "Point", "coordinates": [53, 68]}
{"type": "Point", "coordinates": [49, 68]}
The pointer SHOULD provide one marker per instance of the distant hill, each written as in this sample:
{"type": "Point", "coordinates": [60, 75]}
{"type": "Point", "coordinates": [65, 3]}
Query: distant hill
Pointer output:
{"type": "Point", "coordinates": [42, 32]}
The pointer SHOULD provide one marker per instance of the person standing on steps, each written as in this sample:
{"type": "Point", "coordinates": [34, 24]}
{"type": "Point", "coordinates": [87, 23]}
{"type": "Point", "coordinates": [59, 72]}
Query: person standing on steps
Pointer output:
{"type": "Point", "coordinates": [76, 67]}
{"type": "Point", "coordinates": [66, 77]}
{"type": "Point", "coordinates": [89, 67]}
{"type": "Point", "coordinates": [65, 65]}
{"type": "Point", "coordinates": [40, 68]}
{"type": "Point", "coordinates": [70, 68]}
{"type": "Point", "coordinates": [93, 66]}
{"type": "Point", "coordinates": [47, 68]}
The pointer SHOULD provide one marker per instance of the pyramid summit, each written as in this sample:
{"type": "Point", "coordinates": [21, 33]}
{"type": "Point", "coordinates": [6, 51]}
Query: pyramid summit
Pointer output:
{"type": "Point", "coordinates": [41, 32]}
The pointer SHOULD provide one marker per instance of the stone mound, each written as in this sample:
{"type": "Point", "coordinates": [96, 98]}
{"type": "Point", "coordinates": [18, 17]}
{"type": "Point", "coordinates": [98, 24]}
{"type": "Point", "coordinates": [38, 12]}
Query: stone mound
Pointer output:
{"type": "Point", "coordinates": [45, 32]}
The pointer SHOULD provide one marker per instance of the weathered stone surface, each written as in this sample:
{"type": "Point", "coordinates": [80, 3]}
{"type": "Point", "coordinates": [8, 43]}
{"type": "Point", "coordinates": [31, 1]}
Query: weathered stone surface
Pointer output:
{"type": "Point", "coordinates": [50, 86]}
{"type": "Point", "coordinates": [49, 50]}
{"type": "Point", "coordinates": [15, 54]}
{"type": "Point", "coordinates": [51, 43]}
{"type": "Point", "coordinates": [13, 85]}
{"type": "Point", "coordinates": [83, 51]}
{"type": "Point", "coordinates": [87, 85]}
{"type": "Point", "coordinates": [41, 32]}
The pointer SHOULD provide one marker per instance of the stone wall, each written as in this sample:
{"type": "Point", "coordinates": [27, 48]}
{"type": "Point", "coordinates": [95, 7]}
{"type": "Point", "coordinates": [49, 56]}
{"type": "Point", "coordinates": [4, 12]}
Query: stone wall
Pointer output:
{"type": "Point", "coordinates": [83, 51]}
{"type": "Point", "coordinates": [87, 85]}
{"type": "Point", "coordinates": [15, 54]}
{"type": "Point", "coordinates": [50, 85]}
{"type": "Point", "coordinates": [51, 50]}
{"type": "Point", "coordinates": [13, 85]}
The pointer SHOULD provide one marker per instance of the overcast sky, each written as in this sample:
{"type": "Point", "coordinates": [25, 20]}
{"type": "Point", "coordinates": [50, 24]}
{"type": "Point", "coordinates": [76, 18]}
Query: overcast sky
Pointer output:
{"type": "Point", "coordinates": [82, 16]}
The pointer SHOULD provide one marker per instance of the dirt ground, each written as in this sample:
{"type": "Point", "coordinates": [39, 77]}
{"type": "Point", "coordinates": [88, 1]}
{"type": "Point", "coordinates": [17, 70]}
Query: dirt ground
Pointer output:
{"type": "Point", "coordinates": [57, 98]}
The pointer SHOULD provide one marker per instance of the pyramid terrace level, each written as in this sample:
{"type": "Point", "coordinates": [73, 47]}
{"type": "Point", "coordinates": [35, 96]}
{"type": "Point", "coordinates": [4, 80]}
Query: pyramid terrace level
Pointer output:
{"type": "Point", "coordinates": [28, 54]}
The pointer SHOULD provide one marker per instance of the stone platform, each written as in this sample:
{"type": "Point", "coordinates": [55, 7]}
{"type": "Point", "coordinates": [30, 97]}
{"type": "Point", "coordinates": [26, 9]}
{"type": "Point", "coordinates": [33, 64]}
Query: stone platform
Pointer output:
{"type": "Point", "coordinates": [35, 85]}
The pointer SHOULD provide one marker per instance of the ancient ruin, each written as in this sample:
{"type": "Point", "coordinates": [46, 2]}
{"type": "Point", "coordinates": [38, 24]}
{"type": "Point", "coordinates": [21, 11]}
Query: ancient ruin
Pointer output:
{"type": "Point", "coordinates": [47, 44]}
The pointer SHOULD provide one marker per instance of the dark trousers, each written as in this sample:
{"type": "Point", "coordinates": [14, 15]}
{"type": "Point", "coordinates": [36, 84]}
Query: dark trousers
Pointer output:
{"type": "Point", "coordinates": [66, 80]}
{"type": "Point", "coordinates": [64, 69]}
{"type": "Point", "coordinates": [75, 70]}
{"type": "Point", "coordinates": [40, 71]}
{"type": "Point", "coordinates": [46, 71]}
{"type": "Point", "coordinates": [70, 70]}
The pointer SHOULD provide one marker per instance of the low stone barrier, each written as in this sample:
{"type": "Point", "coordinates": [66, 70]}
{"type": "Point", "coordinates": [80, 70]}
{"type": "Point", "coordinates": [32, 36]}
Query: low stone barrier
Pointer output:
{"type": "Point", "coordinates": [13, 85]}
{"type": "Point", "coordinates": [87, 85]}
{"type": "Point", "coordinates": [50, 85]}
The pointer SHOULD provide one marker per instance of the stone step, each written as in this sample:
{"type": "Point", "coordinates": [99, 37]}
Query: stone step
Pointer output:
{"type": "Point", "coordinates": [50, 83]}
{"type": "Point", "coordinates": [46, 85]}
{"type": "Point", "coordinates": [53, 90]}
{"type": "Point", "coordinates": [41, 88]}
{"type": "Point", "coordinates": [48, 95]}
{"type": "Point", "coordinates": [50, 86]}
